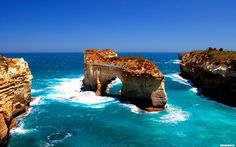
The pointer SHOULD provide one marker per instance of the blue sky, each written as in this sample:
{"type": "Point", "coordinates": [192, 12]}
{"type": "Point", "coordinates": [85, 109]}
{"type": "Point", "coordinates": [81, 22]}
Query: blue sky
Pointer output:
{"type": "Point", "coordinates": [124, 25]}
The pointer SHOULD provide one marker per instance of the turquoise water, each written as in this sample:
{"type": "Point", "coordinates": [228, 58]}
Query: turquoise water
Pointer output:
{"type": "Point", "coordinates": [87, 120]}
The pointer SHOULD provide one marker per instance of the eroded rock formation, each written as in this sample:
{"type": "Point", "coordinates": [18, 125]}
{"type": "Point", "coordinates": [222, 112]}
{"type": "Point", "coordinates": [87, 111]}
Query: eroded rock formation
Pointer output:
{"type": "Point", "coordinates": [213, 71]}
{"type": "Point", "coordinates": [143, 83]}
{"type": "Point", "coordinates": [15, 93]}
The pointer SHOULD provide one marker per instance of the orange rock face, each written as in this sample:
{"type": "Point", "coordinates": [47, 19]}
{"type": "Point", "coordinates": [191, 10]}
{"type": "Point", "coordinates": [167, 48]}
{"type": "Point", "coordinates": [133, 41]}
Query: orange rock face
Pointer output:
{"type": "Point", "coordinates": [143, 83]}
{"type": "Point", "coordinates": [15, 93]}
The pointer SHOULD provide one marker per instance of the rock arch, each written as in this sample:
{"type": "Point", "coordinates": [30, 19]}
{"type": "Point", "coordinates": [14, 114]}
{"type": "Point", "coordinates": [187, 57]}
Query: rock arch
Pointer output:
{"type": "Point", "coordinates": [143, 83]}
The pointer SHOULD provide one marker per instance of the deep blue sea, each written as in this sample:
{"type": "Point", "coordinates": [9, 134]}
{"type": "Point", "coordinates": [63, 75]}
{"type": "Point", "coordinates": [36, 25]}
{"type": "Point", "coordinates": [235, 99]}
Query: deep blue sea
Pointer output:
{"type": "Point", "coordinates": [88, 120]}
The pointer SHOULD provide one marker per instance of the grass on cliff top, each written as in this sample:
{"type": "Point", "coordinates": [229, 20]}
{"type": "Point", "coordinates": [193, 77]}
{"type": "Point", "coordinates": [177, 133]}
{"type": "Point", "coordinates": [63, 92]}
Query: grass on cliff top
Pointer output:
{"type": "Point", "coordinates": [2, 60]}
{"type": "Point", "coordinates": [215, 54]}
{"type": "Point", "coordinates": [129, 58]}
{"type": "Point", "coordinates": [136, 63]}
{"type": "Point", "coordinates": [2, 63]}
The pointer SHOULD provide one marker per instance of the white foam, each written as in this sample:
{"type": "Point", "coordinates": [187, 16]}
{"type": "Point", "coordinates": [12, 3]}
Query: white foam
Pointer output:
{"type": "Point", "coordinates": [116, 82]}
{"type": "Point", "coordinates": [69, 90]}
{"type": "Point", "coordinates": [36, 101]}
{"type": "Point", "coordinates": [36, 90]}
{"type": "Point", "coordinates": [194, 89]}
{"type": "Point", "coordinates": [19, 129]}
{"type": "Point", "coordinates": [171, 62]}
{"type": "Point", "coordinates": [52, 141]}
{"type": "Point", "coordinates": [177, 78]}
{"type": "Point", "coordinates": [133, 108]}
{"type": "Point", "coordinates": [28, 112]}
{"type": "Point", "coordinates": [176, 61]}
{"type": "Point", "coordinates": [88, 97]}
{"type": "Point", "coordinates": [175, 115]}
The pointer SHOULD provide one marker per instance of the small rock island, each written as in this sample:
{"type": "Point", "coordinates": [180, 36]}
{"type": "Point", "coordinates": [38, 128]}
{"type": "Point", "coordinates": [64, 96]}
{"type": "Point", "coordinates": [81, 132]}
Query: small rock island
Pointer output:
{"type": "Point", "coordinates": [143, 82]}
{"type": "Point", "coordinates": [15, 93]}
{"type": "Point", "coordinates": [212, 70]}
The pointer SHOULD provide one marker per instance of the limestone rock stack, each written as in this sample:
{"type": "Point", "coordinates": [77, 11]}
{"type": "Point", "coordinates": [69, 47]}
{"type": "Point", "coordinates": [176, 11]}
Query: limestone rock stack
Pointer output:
{"type": "Point", "coordinates": [143, 82]}
{"type": "Point", "coordinates": [15, 93]}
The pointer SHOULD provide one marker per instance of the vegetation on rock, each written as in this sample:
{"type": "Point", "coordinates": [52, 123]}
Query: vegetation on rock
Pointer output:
{"type": "Point", "coordinates": [131, 64]}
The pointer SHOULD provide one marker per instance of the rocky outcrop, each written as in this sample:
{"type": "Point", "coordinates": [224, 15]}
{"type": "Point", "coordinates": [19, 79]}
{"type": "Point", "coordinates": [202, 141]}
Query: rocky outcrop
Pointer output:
{"type": "Point", "coordinates": [15, 93]}
{"type": "Point", "coordinates": [213, 71]}
{"type": "Point", "coordinates": [143, 83]}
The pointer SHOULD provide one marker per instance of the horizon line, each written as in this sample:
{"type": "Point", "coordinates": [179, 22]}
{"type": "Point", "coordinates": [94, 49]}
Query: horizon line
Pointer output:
{"type": "Point", "coordinates": [83, 52]}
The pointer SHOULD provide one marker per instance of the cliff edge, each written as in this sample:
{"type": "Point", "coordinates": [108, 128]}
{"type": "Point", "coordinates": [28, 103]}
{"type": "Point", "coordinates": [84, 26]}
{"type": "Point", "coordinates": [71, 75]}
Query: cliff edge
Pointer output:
{"type": "Point", "coordinates": [212, 70]}
{"type": "Point", "coordinates": [143, 83]}
{"type": "Point", "coordinates": [15, 93]}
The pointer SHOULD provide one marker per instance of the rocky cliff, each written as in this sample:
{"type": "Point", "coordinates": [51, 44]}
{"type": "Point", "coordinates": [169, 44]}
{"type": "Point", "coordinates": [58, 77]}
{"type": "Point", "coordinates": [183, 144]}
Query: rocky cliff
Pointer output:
{"type": "Point", "coordinates": [15, 93]}
{"type": "Point", "coordinates": [143, 83]}
{"type": "Point", "coordinates": [214, 71]}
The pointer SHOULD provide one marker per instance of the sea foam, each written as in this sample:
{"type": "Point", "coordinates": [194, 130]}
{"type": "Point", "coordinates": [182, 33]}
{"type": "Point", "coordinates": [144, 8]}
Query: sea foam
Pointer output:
{"type": "Point", "coordinates": [176, 61]}
{"type": "Point", "coordinates": [37, 101]}
{"type": "Point", "coordinates": [175, 115]}
{"type": "Point", "coordinates": [20, 129]}
{"type": "Point", "coordinates": [68, 90]}
{"type": "Point", "coordinates": [169, 62]}
{"type": "Point", "coordinates": [177, 78]}
{"type": "Point", "coordinates": [194, 89]}
{"type": "Point", "coordinates": [36, 90]}
{"type": "Point", "coordinates": [133, 108]}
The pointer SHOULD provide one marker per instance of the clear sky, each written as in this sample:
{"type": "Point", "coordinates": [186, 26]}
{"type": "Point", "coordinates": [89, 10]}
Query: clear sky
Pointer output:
{"type": "Point", "coordinates": [124, 25]}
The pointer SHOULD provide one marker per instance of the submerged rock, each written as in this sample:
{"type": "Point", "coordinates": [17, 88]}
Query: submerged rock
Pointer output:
{"type": "Point", "coordinates": [213, 71]}
{"type": "Point", "coordinates": [15, 93]}
{"type": "Point", "coordinates": [143, 83]}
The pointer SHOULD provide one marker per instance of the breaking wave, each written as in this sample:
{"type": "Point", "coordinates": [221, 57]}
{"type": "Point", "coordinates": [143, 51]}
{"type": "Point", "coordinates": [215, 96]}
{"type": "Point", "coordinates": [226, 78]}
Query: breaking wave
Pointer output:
{"type": "Point", "coordinates": [194, 89]}
{"type": "Point", "coordinates": [175, 61]}
{"type": "Point", "coordinates": [133, 108]}
{"type": "Point", "coordinates": [20, 129]}
{"type": "Point", "coordinates": [177, 78]}
{"type": "Point", "coordinates": [174, 115]}
{"type": "Point", "coordinates": [37, 101]}
{"type": "Point", "coordinates": [68, 90]}
{"type": "Point", "coordinates": [116, 82]}
{"type": "Point", "coordinates": [36, 90]}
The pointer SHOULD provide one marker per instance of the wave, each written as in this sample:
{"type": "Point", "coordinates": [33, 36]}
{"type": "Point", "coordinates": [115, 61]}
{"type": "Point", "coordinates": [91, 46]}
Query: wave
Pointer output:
{"type": "Point", "coordinates": [20, 129]}
{"type": "Point", "coordinates": [116, 82]}
{"type": "Point", "coordinates": [68, 90]}
{"type": "Point", "coordinates": [33, 91]}
{"type": "Point", "coordinates": [194, 89]}
{"type": "Point", "coordinates": [133, 108]}
{"type": "Point", "coordinates": [176, 61]}
{"type": "Point", "coordinates": [177, 78]}
{"type": "Point", "coordinates": [37, 101]}
{"type": "Point", "coordinates": [175, 115]}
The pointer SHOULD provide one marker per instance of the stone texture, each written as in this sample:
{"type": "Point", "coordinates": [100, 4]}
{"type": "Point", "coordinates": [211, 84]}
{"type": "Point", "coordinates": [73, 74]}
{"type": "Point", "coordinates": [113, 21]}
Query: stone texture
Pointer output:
{"type": "Point", "coordinates": [213, 71]}
{"type": "Point", "coordinates": [143, 83]}
{"type": "Point", "coordinates": [15, 93]}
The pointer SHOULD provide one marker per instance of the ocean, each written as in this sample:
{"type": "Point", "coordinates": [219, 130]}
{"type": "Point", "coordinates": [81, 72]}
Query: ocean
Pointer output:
{"type": "Point", "coordinates": [55, 119]}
